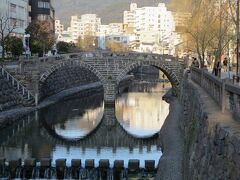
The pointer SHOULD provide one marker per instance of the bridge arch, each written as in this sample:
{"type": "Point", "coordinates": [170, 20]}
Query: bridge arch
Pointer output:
{"type": "Point", "coordinates": [171, 69]}
{"type": "Point", "coordinates": [63, 70]}
{"type": "Point", "coordinates": [110, 71]}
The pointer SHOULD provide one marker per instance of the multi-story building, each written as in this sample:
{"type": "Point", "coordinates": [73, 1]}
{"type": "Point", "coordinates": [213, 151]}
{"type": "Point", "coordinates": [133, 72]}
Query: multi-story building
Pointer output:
{"type": "Point", "coordinates": [87, 24]}
{"type": "Point", "coordinates": [102, 31]}
{"type": "Point", "coordinates": [129, 17]}
{"type": "Point", "coordinates": [149, 18]}
{"type": "Point", "coordinates": [59, 28]}
{"type": "Point", "coordinates": [113, 32]}
{"type": "Point", "coordinates": [115, 28]}
{"type": "Point", "coordinates": [151, 24]}
{"type": "Point", "coordinates": [16, 11]}
{"type": "Point", "coordinates": [43, 10]}
{"type": "Point", "coordinates": [14, 15]}
{"type": "Point", "coordinates": [75, 29]}
{"type": "Point", "coordinates": [90, 23]}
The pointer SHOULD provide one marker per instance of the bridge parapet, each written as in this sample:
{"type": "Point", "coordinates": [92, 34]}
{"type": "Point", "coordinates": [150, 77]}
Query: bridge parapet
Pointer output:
{"type": "Point", "coordinates": [121, 55]}
{"type": "Point", "coordinates": [110, 68]}
{"type": "Point", "coordinates": [225, 94]}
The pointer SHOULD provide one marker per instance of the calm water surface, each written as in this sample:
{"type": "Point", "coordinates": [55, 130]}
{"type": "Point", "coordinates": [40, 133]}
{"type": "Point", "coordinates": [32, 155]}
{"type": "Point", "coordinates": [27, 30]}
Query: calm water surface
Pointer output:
{"type": "Point", "coordinates": [77, 128]}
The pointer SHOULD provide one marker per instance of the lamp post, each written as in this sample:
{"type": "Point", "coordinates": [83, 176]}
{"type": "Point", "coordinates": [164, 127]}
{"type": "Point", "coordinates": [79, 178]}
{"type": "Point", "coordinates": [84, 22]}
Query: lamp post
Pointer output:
{"type": "Point", "coordinates": [27, 49]}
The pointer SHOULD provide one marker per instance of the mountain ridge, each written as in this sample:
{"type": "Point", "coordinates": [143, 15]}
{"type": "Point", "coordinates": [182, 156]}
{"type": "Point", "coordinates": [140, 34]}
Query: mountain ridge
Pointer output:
{"type": "Point", "coordinates": [108, 10]}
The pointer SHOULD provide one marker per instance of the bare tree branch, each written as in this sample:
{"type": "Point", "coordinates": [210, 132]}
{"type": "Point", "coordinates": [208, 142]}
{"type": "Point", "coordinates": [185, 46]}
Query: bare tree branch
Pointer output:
{"type": "Point", "coordinates": [5, 31]}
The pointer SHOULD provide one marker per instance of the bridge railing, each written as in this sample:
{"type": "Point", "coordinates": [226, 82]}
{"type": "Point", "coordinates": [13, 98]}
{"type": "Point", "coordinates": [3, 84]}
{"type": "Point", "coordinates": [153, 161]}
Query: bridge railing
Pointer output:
{"type": "Point", "coordinates": [232, 93]}
{"type": "Point", "coordinates": [121, 55]}
{"type": "Point", "coordinates": [225, 94]}
{"type": "Point", "coordinates": [15, 83]}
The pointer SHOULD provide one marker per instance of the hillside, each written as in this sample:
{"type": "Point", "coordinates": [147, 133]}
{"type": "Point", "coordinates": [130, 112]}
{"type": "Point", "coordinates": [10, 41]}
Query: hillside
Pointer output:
{"type": "Point", "coordinates": [108, 10]}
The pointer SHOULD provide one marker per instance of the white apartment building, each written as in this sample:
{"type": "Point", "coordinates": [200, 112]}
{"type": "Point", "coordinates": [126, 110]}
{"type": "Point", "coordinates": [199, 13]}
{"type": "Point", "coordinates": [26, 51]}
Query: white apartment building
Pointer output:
{"type": "Point", "coordinates": [17, 13]}
{"type": "Point", "coordinates": [115, 28]}
{"type": "Point", "coordinates": [90, 23]}
{"type": "Point", "coordinates": [129, 17]}
{"type": "Point", "coordinates": [151, 24]}
{"type": "Point", "coordinates": [102, 31]}
{"type": "Point", "coordinates": [87, 24]}
{"type": "Point", "coordinates": [111, 32]}
{"type": "Point", "coordinates": [59, 28]}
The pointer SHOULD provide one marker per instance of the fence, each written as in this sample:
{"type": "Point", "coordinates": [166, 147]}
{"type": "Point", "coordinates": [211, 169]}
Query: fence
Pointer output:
{"type": "Point", "coordinates": [225, 94]}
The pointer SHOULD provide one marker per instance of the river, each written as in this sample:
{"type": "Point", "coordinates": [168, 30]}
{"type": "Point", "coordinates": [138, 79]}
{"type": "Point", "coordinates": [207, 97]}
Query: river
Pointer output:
{"type": "Point", "coordinates": [75, 128]}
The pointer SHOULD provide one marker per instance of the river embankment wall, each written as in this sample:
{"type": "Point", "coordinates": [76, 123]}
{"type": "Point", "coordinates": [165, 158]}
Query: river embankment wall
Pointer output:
{"type": "Point", "coordinates": [211, 137]}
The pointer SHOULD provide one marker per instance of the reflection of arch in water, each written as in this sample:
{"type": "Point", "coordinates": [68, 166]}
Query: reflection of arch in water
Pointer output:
{"type": "Point", "coordinates": [109, 132]}
{"type": "Point", "coordinates": [146, 86]}
{"type": "Point", "coordinates": [59, 113]}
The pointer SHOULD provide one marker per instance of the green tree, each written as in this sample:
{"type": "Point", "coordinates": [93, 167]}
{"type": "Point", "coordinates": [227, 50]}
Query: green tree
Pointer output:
{"type": "Point", "coordinates": [41, 39]}
{"type": "Point", "coordinates": [15, 46]}
{"type": "Point", "coordinates": [63, 47]}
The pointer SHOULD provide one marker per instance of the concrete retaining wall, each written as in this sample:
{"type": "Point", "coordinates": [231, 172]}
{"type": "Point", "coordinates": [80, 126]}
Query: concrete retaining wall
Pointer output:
{"type": "Point", "coordinates": [212, 138]}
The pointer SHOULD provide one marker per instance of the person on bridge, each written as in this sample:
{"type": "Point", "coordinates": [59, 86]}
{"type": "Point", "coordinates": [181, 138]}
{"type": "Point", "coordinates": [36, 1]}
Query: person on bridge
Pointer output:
{"type": "Point", "coordinates": [195, 62]}
{"type": "Point", "coordinates": [225, 64]}
{"type": "Point", "coordinates": [217, 69]}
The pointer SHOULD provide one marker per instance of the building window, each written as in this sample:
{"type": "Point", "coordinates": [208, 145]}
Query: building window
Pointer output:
{"type": "Point", "coordinates": [43, 17]}
{"type": "Point", "coordinates": [21, 23]}
{"type": "Point", "coordinates": [13, 22]}
{"type": "Point", "coordinates": [43, 4]}
{"type": "Point", "coordinates": [13, 7]}
{"type": "Point", "coordinates": [21, 8]}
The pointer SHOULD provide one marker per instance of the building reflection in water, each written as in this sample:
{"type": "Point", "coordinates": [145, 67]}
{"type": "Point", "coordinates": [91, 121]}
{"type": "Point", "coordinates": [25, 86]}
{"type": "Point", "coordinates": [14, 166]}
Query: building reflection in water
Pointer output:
{"type": "Point", "coordinates": [73, 119]}
{"type": "Point", "coordinates": [143, 114]}
{"type": "Point", "coordinates": [79, 126]}
{"type": "Point", "coordinates": [58, 131]}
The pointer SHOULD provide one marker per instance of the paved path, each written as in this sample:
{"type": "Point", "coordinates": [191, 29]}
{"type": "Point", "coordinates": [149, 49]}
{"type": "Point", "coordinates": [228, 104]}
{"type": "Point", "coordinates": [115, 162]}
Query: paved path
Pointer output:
{"type": "Point", "coordinates": [225, 75]}
{"type": "Point", "coordinates": [170, 167]}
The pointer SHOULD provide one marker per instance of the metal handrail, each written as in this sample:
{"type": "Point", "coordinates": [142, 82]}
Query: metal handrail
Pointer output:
{"type": "Point", "coordinates": [14, 82]}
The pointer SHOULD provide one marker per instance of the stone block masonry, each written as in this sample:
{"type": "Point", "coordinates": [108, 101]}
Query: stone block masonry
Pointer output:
{"type": "Point", "coordinates": [48, 76]}
{"type": "Point", "coordinates": [212, 138]}
{"type": "Point", "coordinates": [8, 96]}
{"type": "Point", "coordinates": [65, 78]}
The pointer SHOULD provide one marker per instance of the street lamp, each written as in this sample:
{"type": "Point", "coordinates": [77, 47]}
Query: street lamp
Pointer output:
{"type": "Point", "coordinates": [27, 48]}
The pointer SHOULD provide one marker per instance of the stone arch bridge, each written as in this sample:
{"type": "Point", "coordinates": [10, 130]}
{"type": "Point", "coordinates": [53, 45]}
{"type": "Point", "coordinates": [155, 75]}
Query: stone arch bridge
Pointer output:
{"type": "Point", "coordinates": [109, 68]}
